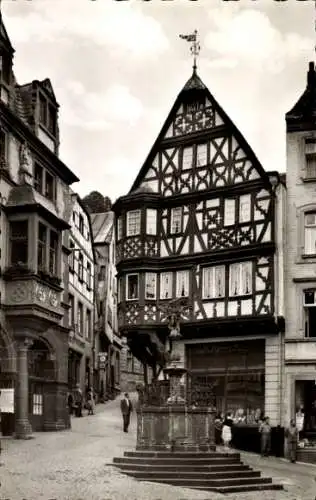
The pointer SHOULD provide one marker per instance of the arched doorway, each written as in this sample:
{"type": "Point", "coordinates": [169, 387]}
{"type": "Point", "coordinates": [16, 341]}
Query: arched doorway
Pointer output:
{"type": "Point", "coordinates": [42, 374]}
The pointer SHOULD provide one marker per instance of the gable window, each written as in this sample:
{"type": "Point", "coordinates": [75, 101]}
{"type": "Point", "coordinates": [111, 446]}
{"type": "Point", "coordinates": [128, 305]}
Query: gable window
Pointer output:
{"type": "Point", "coordinates": [310, 313]}
{"type": "Point", "coordinates": [71, 310]}
{"type": "Point", "coordinates": [80, 318]}
{"type": "Point", "coordinates": [182, 288]}
{"type": "Point", "coordinates": [151, 221]}
{"type": "Point", "coordinates": [119, 229]}
{"type": "Point", "coordinates": [88, 276]}
{"type": "Point", "coordinates": [132, 289]}
{"type": "Point", "coordinates": [213, 282]}
{"type": "Point", "coordinates": [133, 223]}
{"type": "Point", "coordinates": [245, 208]}
{"type": "Point", "coordinates": [187, 158]}
{"type": "Point", "coordinates": [240, 279]}
{"type": "Point", "coordinates": [81, 224]}
{"type": "Point", "coordinates": [201, 155]}
{"type": "Point", "coordinates": [42, 110]}
{"type": "Point", "coordinates": [166, 285]}
{"type": "Point", "coordinates": [176, 225]}
{"type": "Point", "coordinates": [71, 256]}
{"type": "Point", "coordinates": [41, 247]}
{"type": "Point", "coordinates": [310, 233]}
{"type": "Point", "coordinates": [47, 114]}
{"type": "Point", "coordinates": [19, 242]}
{"type": "Point", "coordinates": [51, 119]}
{"type": "Point", "coordinates": [80, 266]}
{"type": "Point", "coordinates": [229, 212]}
{"type": "Point", "coordinates": [150, 285]}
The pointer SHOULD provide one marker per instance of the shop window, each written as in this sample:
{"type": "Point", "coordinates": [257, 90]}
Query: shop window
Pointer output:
{"type": "Point", "coordinates": [182, 289]}
{"type": "Point", "coordinates": [37, 404]}
{"type": "Point", "coordinates": [132, 287]}
{"type": "Point", "coordinates": [176, 224]}
{"type": "Point", "coordinates": [133, 222]}
{"type": "Point", "coordinates": [213, 282]}
{"type": "Point", "coordinates": [19, 242]}
{"type": "Point", "coordinates": [166, 285]}
{"type": "Point", "coordinates": [150, 285]}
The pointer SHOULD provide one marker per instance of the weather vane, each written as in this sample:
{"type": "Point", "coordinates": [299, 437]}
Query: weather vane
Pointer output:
{"type": "Point", "coordinates": [195, 47]}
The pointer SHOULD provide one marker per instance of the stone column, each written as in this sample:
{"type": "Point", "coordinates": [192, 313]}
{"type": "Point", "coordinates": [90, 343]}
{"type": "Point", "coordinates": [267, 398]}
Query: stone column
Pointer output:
{"type": "Point", "coordinates": [23, 429]}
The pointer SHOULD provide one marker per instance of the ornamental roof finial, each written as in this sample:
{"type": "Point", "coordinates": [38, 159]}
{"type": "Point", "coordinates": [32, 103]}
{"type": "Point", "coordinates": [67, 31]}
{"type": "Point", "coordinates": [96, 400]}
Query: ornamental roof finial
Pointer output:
{"type": "Point", "coordinates": [195, 47]}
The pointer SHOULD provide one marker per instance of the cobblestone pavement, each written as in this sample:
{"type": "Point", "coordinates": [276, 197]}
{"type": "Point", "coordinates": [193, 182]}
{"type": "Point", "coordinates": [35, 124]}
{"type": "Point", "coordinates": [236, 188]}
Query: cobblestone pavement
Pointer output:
{"type": "Point", "coordinates": [73, 465]}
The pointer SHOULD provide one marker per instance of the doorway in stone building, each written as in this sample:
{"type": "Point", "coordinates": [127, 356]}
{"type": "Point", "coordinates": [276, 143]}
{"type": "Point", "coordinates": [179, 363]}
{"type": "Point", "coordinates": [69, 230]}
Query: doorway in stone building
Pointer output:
{"type": "Point", "coordinates": [305, 398]}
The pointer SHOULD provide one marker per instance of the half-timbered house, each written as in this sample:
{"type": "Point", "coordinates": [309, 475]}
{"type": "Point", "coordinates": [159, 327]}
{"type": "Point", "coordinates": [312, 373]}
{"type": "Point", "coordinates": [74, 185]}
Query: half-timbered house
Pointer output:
{"type": "Point", "coordinates": [200, 224]}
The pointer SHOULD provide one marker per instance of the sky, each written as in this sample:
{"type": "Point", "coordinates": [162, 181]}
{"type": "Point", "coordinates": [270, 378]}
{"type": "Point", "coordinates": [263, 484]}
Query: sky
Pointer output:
{"type": "Point", "coordinates": [118, 66]}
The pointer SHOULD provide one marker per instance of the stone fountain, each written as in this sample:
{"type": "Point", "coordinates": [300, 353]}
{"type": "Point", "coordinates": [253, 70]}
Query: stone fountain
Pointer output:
{"type": "Point", "coordinates": [173, 423]}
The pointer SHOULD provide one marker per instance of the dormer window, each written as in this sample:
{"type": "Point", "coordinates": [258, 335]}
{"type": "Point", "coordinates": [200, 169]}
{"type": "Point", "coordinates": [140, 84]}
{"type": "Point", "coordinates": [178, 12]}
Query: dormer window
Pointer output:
{"type": "Point", "coordinates": [47, 115]}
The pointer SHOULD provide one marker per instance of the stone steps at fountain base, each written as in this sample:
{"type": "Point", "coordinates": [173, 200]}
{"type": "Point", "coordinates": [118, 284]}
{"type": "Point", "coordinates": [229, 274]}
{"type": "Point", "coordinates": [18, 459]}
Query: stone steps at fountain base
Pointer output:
{"type": "Point", "coordinates": [219, 472]}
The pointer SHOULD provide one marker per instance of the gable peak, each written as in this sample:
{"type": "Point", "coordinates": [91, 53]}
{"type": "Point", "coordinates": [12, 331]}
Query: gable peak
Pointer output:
{"type": "Point", "coordinates": [194, 82]}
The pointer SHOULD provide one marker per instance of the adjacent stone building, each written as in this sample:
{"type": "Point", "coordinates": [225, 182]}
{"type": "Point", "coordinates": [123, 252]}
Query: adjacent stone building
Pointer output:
{"type": "Point", "coordinates": [199, 241]}
{"type": "Point", "coordinates": [35, 203]}
{"type": "Point", "coordinates": [107, 339]}
{"type": "Point", "coordinates": [80, 297]}
{"type": "Point", "coordinates": [300, 268]}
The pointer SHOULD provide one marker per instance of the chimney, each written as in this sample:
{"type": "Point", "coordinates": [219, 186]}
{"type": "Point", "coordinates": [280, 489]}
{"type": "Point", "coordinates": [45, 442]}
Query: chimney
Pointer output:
{"type": "Point", "coordinates": [311, 80]}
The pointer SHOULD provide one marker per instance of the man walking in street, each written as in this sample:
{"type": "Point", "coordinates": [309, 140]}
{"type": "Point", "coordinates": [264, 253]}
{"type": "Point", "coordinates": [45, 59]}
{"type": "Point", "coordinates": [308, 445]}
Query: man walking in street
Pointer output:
{"type": "Point", "coordinates": [126, 409]}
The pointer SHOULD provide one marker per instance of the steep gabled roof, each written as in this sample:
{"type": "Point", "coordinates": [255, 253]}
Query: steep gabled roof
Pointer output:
{"type": "Point", "coordinates": [4, 38]}
{"type": "Point", "coordinates": [196, 89]}
{"type": "Point", "coordinates": [303, 114]}
{"type": "Point", "coordinates": [102, 227]}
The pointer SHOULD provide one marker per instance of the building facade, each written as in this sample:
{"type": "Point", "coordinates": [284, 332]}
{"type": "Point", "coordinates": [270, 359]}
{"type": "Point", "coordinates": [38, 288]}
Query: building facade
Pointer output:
{"type": "Point", "coordinates": [108, 342]}
{"type": "Point", "coordinates": [80, 297]}
{"type": "Point", "coordinates": [300, 270]}
{"type": "Point", "coordinates": [200, 234]}
{"type": "Point", "coordinates": [132, 371]}
{"type": "Point", "coordinates": [35, 200]}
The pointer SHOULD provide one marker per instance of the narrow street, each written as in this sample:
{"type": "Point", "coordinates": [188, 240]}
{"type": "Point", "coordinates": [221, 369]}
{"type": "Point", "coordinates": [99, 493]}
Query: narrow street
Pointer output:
{"type": "Point", "coordinates": [74, 465]}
